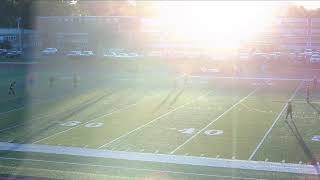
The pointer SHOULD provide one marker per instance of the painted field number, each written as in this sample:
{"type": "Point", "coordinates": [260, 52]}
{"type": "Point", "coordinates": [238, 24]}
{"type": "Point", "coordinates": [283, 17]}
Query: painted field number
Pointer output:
{"type": "Point", "coordinates": [93, 125]}
{"type": "Point", "coordinates": [76, 123]}
{"type": "Point", "coordinates": [187, 131]}
{"type": "Point", "coordinates": [211, 132]}
{"type": "Point", "coordinates": [71, 123]}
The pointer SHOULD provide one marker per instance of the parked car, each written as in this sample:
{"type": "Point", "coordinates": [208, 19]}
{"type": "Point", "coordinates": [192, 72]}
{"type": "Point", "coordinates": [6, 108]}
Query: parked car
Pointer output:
{"type": "Point", "coordinates": [315, 58]}
{"type": "Point", "coordinates": [50, 51]}
{"type": "Point", "coordinates": [155, 54]}
{"type": "Point", "coordinates": [261, 56]}
{"type": "Point", "coordinates": [74, 54]}
{"type": "Point", "coordinates": [244, 56]}
{"type": "Point", "coordinates": [87, 54]}
{"type": "Point", "coordinates": [13, 54]}
{"type": "Point", "coordinates": [120, 53]}
{"type": "Point", "coordinates": [112, 52]}
{"type": "Point", "coordinates": [126, 55]}
{"type": "Point", "coordinates": [3, 52]}
{"type": "Point", "coordinates": [308, 52]}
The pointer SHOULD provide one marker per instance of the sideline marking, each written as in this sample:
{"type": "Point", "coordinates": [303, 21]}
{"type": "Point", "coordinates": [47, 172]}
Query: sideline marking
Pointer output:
{"type": "Point", "coordinates": [128, 168]}
{"type": "Point", "coordinates": [162, 158]}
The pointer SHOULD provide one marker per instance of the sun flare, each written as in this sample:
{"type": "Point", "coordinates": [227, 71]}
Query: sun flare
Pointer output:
{"type": "Point", "coordinates": [214, 23]}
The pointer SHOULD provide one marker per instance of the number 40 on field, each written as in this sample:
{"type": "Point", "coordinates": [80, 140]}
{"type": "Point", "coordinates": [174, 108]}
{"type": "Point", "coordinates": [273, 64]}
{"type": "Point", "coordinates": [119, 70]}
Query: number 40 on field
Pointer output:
{"type": "Point", "coordinates": [211, 132]}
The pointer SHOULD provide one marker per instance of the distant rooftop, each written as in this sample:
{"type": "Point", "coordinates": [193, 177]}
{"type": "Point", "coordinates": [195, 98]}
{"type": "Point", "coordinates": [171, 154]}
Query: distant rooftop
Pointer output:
{"type": "Point", "coordinates": [14, 31]}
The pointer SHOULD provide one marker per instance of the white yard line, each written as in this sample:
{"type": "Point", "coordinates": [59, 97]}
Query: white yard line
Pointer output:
{"type": "Point", "coordinates": [152, 121]}
{"type": "Point", "coordinates": [275, 121]}
{"type": "Point", "coordinates": [13, 98]}
{"type": "Point", "coordinates": [102, 116]}
{"type": "Point", "coordinates": [216, 119]}
{"type": "Point", "coordinates": [12, 110]}
{"type": "Point", "coordinates": [162, 158]}
{"type": "Point", "coordinates": [127, 168]}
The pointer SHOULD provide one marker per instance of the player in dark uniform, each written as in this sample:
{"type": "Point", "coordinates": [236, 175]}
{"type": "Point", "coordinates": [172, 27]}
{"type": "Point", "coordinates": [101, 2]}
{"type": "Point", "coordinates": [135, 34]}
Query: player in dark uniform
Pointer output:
{"type": "Point", "coordinates": [289, 110]}
{"type": "Point", "coordinates": [186, 79]}
{"type": "Point", "coordinates": [30, 80]}
{"type": "Point", "coordinates": [51, 81]}
{"type": "Point", "coordinates": [11, 88]}
{"type": "Point", "coordinates": [308, 94]}
{"type": "Point", "coordinates": [315, 82]}
{"type": "Point", "coordinates": [175, 83]}
{"type": "Point", "coordinates": [75, 80]}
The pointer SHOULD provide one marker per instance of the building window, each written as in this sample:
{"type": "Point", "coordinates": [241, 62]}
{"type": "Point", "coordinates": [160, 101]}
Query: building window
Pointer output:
{"type": "Point", "coordinates": [11, 38]}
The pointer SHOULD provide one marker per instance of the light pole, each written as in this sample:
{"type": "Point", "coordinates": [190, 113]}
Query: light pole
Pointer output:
{"type": "Point", "coordinates": [20, 38]}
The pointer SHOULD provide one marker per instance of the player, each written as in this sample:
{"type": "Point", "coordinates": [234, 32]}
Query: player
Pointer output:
{"type": "Point", "coordinates": [315, 82]}
{"type": "Point", "coordinates": [30, 80]}
{"type": "Point", "coordinates": [51, 81]}
{"type": "Point", "coordinates": [75, 80]}
{"type": "Point", "coordinates": [289, 110]}
{"type": "Point", "coordinates": [11, 88]}
{"type": "Point", "coordinates": [308, 94]}
{"type": "Point", "coordinates": [186, 78]}
{"type": "Point", "coordinates": [175, 83]}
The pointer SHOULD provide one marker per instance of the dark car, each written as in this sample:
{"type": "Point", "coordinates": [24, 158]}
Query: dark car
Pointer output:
{"type": "Point", "coordinates": [13, 54]}
{"type": "Point", "coordinates": [3, 52]}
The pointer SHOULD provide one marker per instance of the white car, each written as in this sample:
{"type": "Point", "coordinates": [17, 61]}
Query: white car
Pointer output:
{"type": "Point", "coordinates": [126, 55]}
{"type": "Point", "coordinates": [243, 56]}
{"type": "Point", "coordinates": [308, 52]}
{"type": "Point", "coordinates": [120, 53]}
{"type": "Point", "coordinates": [87, 54]}
{"type": "Point", "coordinates": [155, 54]}
{"type": "Point", "coordinates": [50, 51]}
{"type": "Point", "coordinates": [315, 58]}
{"type": "Point", "coordinates": [74, 54]}
{"type": "Point", "coordinates": [112, 52]}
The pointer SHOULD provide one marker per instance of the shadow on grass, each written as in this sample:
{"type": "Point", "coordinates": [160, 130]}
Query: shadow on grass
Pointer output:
{"type": "Point", "coordinates": [50, 125]}
{"type": "Point", "coordinates": [164, 100]}
{"type": "Point", "coordinates": [177, 97]}
{"type": "Point", "coordinates": [303, 145]}
{"type": "Point", "coordinates": [315, 107]}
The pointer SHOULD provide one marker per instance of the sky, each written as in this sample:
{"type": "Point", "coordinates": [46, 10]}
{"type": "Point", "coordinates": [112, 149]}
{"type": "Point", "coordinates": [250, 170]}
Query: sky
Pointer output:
{"type": "Point", "coordinates": [220, 23]}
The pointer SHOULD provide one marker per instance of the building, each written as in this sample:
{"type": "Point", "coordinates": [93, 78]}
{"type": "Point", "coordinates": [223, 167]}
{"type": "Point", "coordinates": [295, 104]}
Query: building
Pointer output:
{"type": "Point", "coordinates": [293, 33]}
{"type": "Point", "coordinates": [11, 36]}
{"type": "Point", "coordinates": [98, 32]}
{"type": "Point", "coordinates": [86, 32]}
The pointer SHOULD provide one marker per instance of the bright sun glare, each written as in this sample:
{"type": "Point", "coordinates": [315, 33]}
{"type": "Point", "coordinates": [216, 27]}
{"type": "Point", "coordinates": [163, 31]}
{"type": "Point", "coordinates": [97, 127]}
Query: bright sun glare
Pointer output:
{"type": "Point", "coordinates": [216, 23]}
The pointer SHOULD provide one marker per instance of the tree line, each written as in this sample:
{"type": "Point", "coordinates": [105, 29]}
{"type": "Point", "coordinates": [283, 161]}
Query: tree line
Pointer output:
{"type": "Point", "coordinates": [10, 10]}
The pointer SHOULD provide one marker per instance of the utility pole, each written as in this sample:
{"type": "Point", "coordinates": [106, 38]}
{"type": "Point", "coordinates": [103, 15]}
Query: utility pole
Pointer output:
{"type": "Point", "coordinates": [20, 38]}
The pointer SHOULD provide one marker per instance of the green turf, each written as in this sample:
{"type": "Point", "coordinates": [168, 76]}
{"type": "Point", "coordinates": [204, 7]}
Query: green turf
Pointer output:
{"type": "Point", "coordinates": [137, 108]}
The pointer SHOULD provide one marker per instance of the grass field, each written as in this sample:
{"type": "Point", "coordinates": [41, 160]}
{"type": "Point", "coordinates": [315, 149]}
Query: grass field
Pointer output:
{"type": "Point", "coordinates": [203, 117]}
